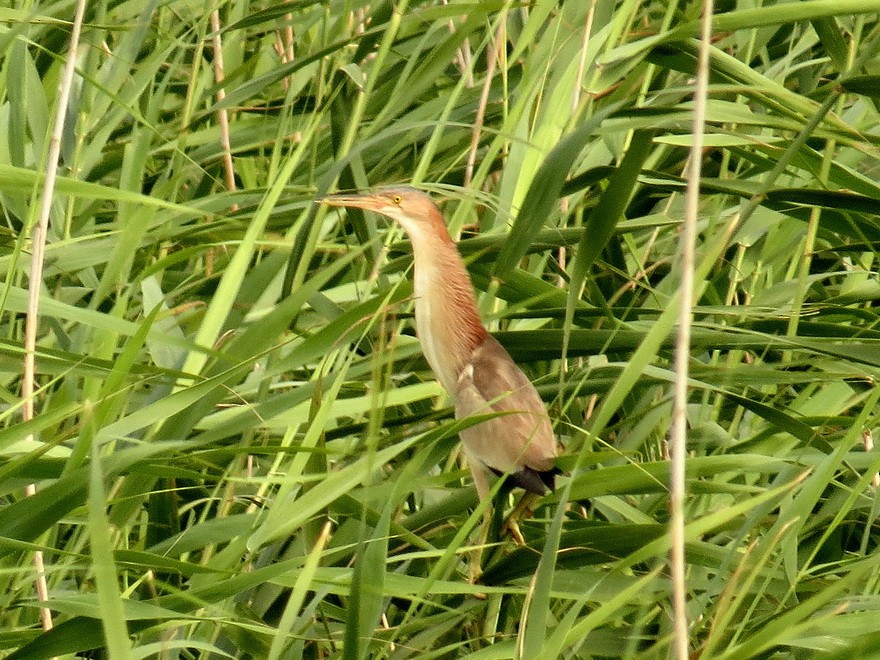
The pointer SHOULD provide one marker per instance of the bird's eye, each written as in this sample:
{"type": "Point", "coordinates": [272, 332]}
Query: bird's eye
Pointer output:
{"type": "Point", "coordinates": [396, 199]}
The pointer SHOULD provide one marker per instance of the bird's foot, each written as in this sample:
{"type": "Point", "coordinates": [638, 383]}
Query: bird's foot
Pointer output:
{"type": "Point", "coordinates": [512, 528]}
{"type": "Point", "coordinates": [475, 572]}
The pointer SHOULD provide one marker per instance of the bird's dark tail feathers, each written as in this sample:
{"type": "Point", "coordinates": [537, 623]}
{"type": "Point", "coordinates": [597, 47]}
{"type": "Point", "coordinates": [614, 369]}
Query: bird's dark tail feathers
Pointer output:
{"type": "Point", "coordinates": [534, 481]}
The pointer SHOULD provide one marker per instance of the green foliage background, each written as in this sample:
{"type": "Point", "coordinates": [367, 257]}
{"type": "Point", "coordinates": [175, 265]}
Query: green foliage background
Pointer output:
{"type": "Point", "coordinates": [239, 450]}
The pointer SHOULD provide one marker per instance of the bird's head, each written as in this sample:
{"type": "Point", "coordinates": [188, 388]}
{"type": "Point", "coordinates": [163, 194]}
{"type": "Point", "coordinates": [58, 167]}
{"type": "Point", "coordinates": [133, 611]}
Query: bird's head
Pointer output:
{"type": "Point", "coordinates": [413, 209]}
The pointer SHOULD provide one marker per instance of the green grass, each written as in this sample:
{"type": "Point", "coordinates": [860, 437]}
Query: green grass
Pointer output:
{"type": "Point", "coordinates": [238, 448]}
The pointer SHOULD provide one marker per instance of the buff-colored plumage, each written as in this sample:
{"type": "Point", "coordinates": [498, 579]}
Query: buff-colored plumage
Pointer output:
{"type": "Point", "coordinates": [472, 366]}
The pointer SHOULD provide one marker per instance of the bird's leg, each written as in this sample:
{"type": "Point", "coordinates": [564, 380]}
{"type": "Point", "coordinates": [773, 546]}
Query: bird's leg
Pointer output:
{"type": "Point", "coordinates": [481, 482]}
{"type": "Point", "coordinates": [523, 507]}
{"type": "Point", "coordinates": [495, 522]}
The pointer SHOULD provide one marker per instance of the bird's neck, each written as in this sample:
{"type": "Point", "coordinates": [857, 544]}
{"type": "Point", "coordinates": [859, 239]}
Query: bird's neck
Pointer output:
{"type": "Point", "coordinates": [447, 321]}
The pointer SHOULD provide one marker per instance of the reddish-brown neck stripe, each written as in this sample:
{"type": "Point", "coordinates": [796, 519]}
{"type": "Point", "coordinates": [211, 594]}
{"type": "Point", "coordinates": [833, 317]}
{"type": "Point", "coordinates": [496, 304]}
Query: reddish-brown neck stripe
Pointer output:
{"type": "Point", "coordinates": [447, 320]}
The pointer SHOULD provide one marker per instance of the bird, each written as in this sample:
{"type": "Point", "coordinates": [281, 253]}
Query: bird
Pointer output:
{"type": "Point", "coordinates": [472, 366]}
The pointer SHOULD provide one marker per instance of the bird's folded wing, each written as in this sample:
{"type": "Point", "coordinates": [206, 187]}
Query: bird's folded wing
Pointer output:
{"type": "Point", "coordinates": [492, 382]}
{"type": "Point", "coordinates": [500, 382]}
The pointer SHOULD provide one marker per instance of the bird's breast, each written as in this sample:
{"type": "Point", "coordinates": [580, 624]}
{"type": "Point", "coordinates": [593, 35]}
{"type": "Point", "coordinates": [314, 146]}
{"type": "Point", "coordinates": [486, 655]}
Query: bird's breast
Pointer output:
{"type": "Point", "coordinates": [447, 321]}
{"type": "Point", "coordinates": [435, 332]}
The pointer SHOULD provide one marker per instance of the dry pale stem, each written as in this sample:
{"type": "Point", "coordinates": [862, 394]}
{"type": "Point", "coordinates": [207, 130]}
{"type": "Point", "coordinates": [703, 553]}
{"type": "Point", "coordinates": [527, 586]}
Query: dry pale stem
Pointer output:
{"type": "Point", "coordinates": [868, 441]}
{"type": "Point", "coordinates": [481, 108]}
{"type": "Point", "coordinates": [678, 436]}
{"type": "Point", "coordinates": [223, 122]}
{"type": "Point", "coordinates": [35, 278]}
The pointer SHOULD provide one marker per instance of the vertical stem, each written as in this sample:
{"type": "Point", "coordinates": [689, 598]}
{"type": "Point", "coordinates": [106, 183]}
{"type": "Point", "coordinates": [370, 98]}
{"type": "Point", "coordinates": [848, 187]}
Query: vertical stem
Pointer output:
{"type": "Point", "coordinates": [463, 54]}
{"type": "Point", "coordinates": [678, 439]}
{"type": "Point", "coordinates": [492, 57]}
{"type": "Point", "coordinates": [222, 120]}
{"type": "Point", "coordinates": [222, 114]}
{"type": "Point", "coordinates": [35, 276]}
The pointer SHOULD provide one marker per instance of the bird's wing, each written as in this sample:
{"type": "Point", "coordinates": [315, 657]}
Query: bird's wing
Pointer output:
{"type": "Point", "coordinates": [500, 381]}
{"type": "Point", "coordinates": [491, 382]}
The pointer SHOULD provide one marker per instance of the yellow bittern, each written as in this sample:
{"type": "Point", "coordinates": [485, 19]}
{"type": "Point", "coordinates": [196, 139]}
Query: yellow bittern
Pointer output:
{"type": "Point", "coordinates": [472, 366]}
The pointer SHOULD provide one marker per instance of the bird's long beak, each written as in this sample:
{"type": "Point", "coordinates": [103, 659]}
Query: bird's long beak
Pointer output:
{"type": "Point", "coordinates": [367, 201]}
